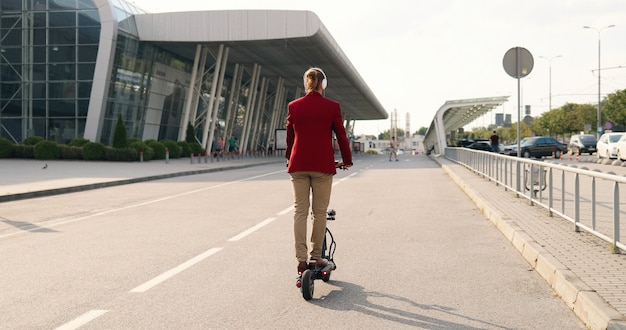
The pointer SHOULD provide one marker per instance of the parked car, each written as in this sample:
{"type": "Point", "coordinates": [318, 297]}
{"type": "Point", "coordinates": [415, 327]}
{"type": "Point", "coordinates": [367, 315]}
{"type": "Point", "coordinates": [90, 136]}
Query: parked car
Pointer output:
{"type": "Point", "coordinates": [480, 145]}
{"type": "Point", "coordinates": [538, 146]}
{"type": "Point", "coordinates": [583, 143]}
{"type": "Point", "coordinates": [621, 148]}
{"type": "Point", "coordinates": [607, 145]}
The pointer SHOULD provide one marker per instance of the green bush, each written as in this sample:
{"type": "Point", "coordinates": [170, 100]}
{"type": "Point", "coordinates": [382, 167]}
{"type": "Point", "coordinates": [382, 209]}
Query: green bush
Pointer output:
{"type": "Point", "coordinates": [196, 148]}
{"type": "Point", "coordinates": [185, 148]}
{"type": "Point", "coordinates": [93, 151]}
{"type": "Point", "coordinates": [77, 142]}
{"type": "Point", "coordinates": [47, 150]}
{"type": "Point", "coordinates": [120, 154]}
{"type": "Point", "coordinates": [173, 147]}
{"type": "Point", "coordinates": [148, 153]}
{"type": "Point", "coordinates": [119, 136]}
{"type": "Point", "coordinates": [371, 152]}
{"type": "Point", "coordinates": [23, 151]}
{"type": "Point", "coordinates": [158, 147]}
{"type": "Point", "coordinates": [71, 152]}
{"type": "Point", "coordinates": [33, 140]}
{"type": "Point", "coordinates": [6, 148]}
{"type": "Point", "coordinates": [133, 140]}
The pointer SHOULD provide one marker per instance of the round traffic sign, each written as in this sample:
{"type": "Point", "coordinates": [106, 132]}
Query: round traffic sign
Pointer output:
{"type": "Point", "coordinates": [518, 62]}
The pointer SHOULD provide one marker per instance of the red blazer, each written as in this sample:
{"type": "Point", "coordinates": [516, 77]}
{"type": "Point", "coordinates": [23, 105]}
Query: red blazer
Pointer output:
{"type": "Point", "coordinates": [310, 122]}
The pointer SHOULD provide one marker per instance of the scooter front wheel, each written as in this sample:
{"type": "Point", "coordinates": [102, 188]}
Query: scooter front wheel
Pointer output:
{"type": "Point", "coordinates": [307, 286]}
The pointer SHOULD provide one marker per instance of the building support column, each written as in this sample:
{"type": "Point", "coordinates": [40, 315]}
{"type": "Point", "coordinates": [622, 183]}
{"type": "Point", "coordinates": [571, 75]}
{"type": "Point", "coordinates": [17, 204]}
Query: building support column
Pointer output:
{"type": "Point", "coordinates": [213, 97]}
{"type": "Point", "coordinates": [216, 106]}
{"type": "Point", "coordinates": [190, 95]}
{"type": "Point", "coordinates": [252, 88]}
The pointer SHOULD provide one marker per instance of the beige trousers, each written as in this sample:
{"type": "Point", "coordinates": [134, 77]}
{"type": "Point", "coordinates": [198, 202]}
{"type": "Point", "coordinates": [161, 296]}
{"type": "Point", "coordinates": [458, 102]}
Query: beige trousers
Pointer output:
{"type": "Point", "coordinates": [319, 185]}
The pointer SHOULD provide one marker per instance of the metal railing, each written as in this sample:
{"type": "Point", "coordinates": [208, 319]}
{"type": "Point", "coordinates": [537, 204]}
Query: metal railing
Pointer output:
{"type": "Point", "coordinates": [589, 199]}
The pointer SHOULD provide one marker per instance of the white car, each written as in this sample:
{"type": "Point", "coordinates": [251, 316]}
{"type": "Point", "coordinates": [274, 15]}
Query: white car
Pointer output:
{"type": "Point", "coordinates": [607, 145]}
{"type": "Point", "coordinates": [621, 148]}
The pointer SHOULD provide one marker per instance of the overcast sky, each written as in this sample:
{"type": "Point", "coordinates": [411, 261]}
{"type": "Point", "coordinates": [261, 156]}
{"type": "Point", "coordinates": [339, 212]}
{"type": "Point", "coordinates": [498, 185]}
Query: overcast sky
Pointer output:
{"type": "Point", "coordinates": [417, 54]}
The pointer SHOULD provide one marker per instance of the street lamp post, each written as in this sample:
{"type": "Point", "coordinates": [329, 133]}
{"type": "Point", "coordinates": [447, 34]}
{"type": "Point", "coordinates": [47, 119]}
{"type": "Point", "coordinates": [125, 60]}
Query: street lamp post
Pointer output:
{"type": "Point", "coordinates": [550, 78]}
{"type": "Point", "coordinates": [599, 74]}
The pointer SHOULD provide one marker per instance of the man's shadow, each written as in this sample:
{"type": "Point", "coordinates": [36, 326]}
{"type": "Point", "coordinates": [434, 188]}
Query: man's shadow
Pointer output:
{"type": "Point", "coordinates": [27, 226]}
{"type": "Point", "coordinates": [355, 298]}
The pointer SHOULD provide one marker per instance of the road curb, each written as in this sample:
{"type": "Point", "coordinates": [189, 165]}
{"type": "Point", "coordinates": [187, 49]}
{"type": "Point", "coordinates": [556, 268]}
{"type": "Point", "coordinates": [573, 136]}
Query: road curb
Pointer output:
{"type": "Point", "coordinates": [587, 305]}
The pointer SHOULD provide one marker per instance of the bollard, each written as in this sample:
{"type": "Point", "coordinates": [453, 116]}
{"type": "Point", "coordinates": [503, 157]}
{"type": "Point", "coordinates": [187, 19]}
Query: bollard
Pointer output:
{"type": "Point", "coordinates": [141, 156]}
{"type": "Point", "coordinates": [191, 158]}
{"type": "Point", "coordinates": [206, 156]}
{"type": "Point", "coordinates": [167, 156]}
{"type": "Point", "coordinates": [199, 158]}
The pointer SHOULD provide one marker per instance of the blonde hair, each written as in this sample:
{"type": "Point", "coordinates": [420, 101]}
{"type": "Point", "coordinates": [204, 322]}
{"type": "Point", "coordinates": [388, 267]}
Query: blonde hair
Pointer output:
{"type": "Point", "coordinates": [314, 78]}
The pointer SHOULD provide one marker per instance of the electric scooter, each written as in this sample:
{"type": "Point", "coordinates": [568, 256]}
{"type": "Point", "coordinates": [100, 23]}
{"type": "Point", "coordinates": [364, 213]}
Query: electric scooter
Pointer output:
{"type": "Point", "coordinates": [313, 272]}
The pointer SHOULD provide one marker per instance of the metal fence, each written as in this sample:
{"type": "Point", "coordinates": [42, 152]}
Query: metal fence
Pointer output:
{"type": "Point", "coordinates": [589, 199]}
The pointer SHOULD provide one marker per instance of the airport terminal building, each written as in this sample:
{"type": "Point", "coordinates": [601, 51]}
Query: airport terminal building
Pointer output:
{"type": "Point", "coordinates": [69, 68]}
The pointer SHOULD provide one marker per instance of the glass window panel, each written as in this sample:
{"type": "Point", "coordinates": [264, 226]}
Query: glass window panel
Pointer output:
{"type": "Point", "coordinates": [39, 54]}
{"type": "Point", "coordinates": [62, 108]}
{"type": "Point", "coordinates": [11, 73]}
{"type": "Point", "coordinates": [62, 4]}
{"type": "Point", "coordinates": [62, 36]}
{"type": "Point", "coordinates": [11, 5]}
{"type": "Point", "coordinates": [83, 108]}
{"type": "Point", "coordinates": [40, 5]}
{"type": "Point", "coordinates": [88, 18]}
{"type": "Point", "coordinates": [89, 35]}
{"type": "Point", "coordinates": [39, 36]}
{"type": "Point", "coordinates": [39, 72]}
{"type": "Point", "coordinates": [39, 108]}
{"type": "Point", "coordinates": [63, 54]}
{"type": "Point", "coordinates": [62, 18]}
{"type": "Point", "coordinates": [10, 22]}
{"type": "Point", "coordinates": [12, 55]}
{"type": "Point", "coordinates": [85, 71]}
{"type": "Point", "coordinates": [39, 90]}
{"type": "Point", "coordinates": [84, 90]}
{"type": "Point", "coordinates": [12, 109]}
{"type": "Point", "coordinates": [62, 90]}
{"type": "Point", "coordinates": [11, 90]}
{"type": "Point", "coordinates": [62, 72]}
{"type": "Point", "coordinates": [40, 20]}
{"type": "Point", "coordinates": [87, 53]}
{"type": "Point", "coordinates": [11, 37]}
{"type": "Point", "coordinates": [86, 4]}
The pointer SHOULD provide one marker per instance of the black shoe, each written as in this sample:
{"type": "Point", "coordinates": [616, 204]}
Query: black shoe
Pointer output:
{"type": "Point", "coordinates": [302, 266]}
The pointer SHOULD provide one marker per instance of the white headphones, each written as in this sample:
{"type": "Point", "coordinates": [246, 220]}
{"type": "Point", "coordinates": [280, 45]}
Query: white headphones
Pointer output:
{"type": "Point", "coordinates": [324, 81]}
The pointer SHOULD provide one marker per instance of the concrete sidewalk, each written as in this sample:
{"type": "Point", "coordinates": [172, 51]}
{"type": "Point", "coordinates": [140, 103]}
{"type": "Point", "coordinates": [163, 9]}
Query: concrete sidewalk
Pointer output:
{"type": "Point", "coordinates": [579, 267]}
{"type": "Point", "coordinates": [29, 178]}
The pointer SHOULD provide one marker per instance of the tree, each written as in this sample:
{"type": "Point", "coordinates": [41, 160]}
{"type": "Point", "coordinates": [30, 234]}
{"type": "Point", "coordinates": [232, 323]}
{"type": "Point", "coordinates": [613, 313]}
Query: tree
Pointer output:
{"type": "Point", "coordinates": [119, 137]}
{"type": "Point", "coordinates": [421, 131]}
{"type": "Point", "coordinates": [614, 108]}
{"type": "Point", "coordinates": [190, 136]}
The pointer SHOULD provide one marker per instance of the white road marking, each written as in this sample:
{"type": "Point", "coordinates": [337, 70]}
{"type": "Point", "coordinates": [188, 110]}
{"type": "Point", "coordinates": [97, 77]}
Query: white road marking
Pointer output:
{"type": "Point", "coordinates": [82, 320]}
{"type": "Point", "coordinates": [285, 211]}
{"type": "Point", "coordinates": [170, 273]}
{"type": "Point", "coordinates": [251, 230]}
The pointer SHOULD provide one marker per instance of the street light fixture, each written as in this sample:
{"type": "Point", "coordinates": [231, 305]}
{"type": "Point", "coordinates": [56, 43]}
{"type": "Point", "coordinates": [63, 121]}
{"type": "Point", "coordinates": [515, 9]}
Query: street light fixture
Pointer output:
{"type": "Point", "coordinates": [599, 74]}
{"type": "Point", "coordinates": [550, 78]}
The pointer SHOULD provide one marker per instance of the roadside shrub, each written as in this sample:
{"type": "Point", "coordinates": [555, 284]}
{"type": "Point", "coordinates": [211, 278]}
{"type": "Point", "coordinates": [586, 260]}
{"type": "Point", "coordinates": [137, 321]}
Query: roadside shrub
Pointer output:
{"type": "Point", "coordinates": [120, 154]}
{"type": "Point", "coordinates": [133, 140]}
{"type": "Point", "coordinates": [173, 147]}
{"type": "Point", "coordinates": [47, 150]}
{"type": "Point", "coordinates": [32, 140]}
{"type": "Point", "coordinates": [93, 151]}
{"type": "Point", "coordinates": [196, 148]}
{"type": "Point", "coordinates": [6, 148]}
{"type": "Point", "coordinates": [148, 153]}
{"type": "Point", "coordinates": [158, 147]}
{"type": "Point", "coordinates": [77, 142]}
{"type": "Point", "coordinates": [23, 151]}
{"type": "Point", "coordinates": [71, 152]}
{"type": "Point", "coordinates": [371, 152]}
{"type": "Point", "coordinates": [185, 148]}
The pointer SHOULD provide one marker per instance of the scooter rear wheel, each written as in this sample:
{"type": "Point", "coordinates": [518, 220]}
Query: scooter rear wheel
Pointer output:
{"type": "Point", "coordinates": [307, 286]}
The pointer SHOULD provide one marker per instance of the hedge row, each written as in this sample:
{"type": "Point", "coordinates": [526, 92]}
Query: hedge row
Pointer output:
{"type": "Point", "coordinates": [83, 149]}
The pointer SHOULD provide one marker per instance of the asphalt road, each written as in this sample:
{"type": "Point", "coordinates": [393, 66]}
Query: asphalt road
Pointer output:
{"type": "Point", "coordinates": [215, 251]}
